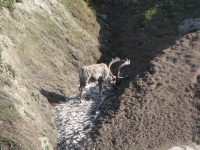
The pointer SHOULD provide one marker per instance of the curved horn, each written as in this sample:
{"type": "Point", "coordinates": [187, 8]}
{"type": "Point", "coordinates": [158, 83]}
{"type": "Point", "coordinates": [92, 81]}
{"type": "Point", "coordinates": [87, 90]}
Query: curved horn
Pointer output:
{"type": "Point", "coordinates": [126, 62]}
{"type": "Point", "coordinates": [112, 62]}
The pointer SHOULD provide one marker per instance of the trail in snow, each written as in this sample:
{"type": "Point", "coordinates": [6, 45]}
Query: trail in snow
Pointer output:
{"type": "Point", "coordinates": [74, 120]}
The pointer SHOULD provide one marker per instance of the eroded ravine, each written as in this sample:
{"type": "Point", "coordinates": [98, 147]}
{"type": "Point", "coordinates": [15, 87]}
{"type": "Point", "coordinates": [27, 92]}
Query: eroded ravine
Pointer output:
{"type": "Point", "coordinates": [75, 120]}
{"type": "Point", "coordinates": [162, 99]}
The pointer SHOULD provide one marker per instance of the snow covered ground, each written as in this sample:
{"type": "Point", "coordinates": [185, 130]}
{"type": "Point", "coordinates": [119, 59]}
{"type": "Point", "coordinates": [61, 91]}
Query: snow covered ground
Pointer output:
{"type": "Point", "coordinates": [74, 120]}
{"type": "Point", "coordinates": [192, 147]}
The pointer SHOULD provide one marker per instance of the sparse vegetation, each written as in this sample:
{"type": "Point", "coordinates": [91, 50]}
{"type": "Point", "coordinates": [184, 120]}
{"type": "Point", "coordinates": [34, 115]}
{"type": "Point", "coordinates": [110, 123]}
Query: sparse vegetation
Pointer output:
{"type": "Point", "coordinates": [0, 54]}
{"type": "Point", "coordinates": [151, 12]}
{"type": "Point", "coordinates": [22, 48]}
{"type": "Point", "coordinates": [7, 3]}
{"type": "Point", "coordinates": [73, 4]}
{"type": "Point", "coordinates": [7, 112]}
{"type": "Point", "coordinates": [8, 116]}
{"type": "Point", "coordinates": [39, 47]}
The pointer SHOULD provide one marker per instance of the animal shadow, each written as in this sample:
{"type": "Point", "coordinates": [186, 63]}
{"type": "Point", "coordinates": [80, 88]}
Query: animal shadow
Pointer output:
{"type": "Point", "coordinates": [53, 97]}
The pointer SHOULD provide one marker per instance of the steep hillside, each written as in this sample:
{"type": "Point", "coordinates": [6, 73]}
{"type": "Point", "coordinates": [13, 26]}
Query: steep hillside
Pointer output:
{"type": "Point", "coordinates": [44, 42]}
{"type": "Point", "coordinates": [157, 107]}
{"type": "Point", "coordinates": [42, 45]}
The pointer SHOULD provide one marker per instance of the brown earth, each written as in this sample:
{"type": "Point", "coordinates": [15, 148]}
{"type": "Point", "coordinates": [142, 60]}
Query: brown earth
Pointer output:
{"type": "Point", "coordinates": [157, 107]}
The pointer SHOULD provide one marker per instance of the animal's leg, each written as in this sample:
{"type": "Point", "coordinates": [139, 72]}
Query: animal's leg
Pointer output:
{"type": "Point", "coordinates": [100, 82]}
{"type": "Point", "coordinates": [82, 86]}
{"type": "Point", "coordinates": [81, 90]}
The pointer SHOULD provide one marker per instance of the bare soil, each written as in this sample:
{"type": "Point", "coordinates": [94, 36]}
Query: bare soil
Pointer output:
{"type": "Point", "coordinates": [157, 107]}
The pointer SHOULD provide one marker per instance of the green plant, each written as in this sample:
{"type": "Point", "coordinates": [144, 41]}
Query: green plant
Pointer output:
{"type": "Point", "coordinates": [22, 48]}
{"type": "Point", "coordinates": [6, 110]}
{"type": "Point", "coordinates": [0, 55]}
{"type": "Point", "coordinates": [1, 4]}
{"type": "Point", "coordinates": [8, 4]}
{"type": "Point", "coordinates": [151, 12]}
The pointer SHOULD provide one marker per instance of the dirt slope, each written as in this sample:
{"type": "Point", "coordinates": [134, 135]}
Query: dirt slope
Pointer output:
{"type": "Point", "coordinates": [157, 106]}
{"type": "Point", "coordinates": [42, 44]}
{"type": "Point", "coordinates": [158, 111]}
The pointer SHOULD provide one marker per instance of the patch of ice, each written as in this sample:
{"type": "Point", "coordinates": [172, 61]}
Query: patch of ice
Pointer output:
{"type": "Point", "coordinates": [189, 25]}
{"type": "Point", "coordinates": [74, 120]}
{"type": "Point", "coordinates": [192, 146]}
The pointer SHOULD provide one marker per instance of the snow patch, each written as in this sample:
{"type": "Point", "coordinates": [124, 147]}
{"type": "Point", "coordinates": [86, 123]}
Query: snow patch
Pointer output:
{"type": "Point", "coordinates": [189, 25]}
{"type": "Point", "coordinates": [75, 120]}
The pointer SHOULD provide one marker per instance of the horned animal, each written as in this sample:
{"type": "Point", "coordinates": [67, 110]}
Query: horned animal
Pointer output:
{"type": "Point", "coordinates": [98, 72]}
